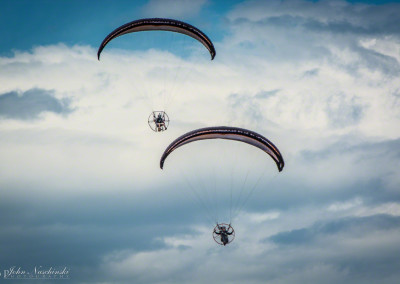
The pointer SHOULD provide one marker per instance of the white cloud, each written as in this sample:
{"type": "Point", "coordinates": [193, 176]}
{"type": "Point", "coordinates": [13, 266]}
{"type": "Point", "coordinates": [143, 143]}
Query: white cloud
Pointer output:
{"type": "Point", "coordinates": [260, 218]}
{"type": "Point", "coordinates": [113, 98]}
{"type": "Point", "coordinates": [389, 208]}
{"type": "Point", "coordinates": [320, 97]}
{"type": "Point", "coordinates": [340, 206]}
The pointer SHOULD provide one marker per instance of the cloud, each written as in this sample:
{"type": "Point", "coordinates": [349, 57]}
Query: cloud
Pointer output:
{"type": "Point", "coordinates": [310, 73]}
{"type": "Point", "coordinates": [31, 104]}
{"type": "Point", "coordinates": [363, 225]}
{"type": "Point", "coordinates": [181, 9]}
{"type": "Point", "coordinates": [82, 183]}
{"type": "Point", "coordinates": [266, 94]}
{"type": "Point", "coordinates": [316, 70]}
{"type": "Point", "coordinates": [330, 16]}
{"type": "Point", "coordinates": [80, 232]}
{"type": "Point", "coordinates": [349, 248]}
{"type": "Point", "coordinates": [342, 113]}
{"type": "Point", "coordinates": [314, 33]}
{"type": "Point", "coordinates": [338, 250]}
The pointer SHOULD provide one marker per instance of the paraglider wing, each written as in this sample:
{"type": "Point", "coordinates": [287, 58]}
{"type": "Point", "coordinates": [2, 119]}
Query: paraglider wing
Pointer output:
{"type": "Point", "coordinates": [230, 133]}
{"type": "Point", "coordinates": [154, 24]}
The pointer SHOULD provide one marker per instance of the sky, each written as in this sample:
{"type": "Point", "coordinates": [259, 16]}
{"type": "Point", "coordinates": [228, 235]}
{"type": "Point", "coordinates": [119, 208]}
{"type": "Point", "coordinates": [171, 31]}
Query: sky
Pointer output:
{"type": "Point", "coordinates": [80, 182]}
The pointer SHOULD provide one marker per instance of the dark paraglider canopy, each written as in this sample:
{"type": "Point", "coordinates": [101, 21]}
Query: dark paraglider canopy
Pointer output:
{"type": "Point", "coordinates": [160, 24]}
{"type": "Point", "coordinates": [230, 133]}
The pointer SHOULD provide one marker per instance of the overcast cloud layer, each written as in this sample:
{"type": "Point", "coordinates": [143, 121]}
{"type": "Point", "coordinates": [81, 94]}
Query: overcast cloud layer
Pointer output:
{"type": "Point", "coordinates": [80, 183]}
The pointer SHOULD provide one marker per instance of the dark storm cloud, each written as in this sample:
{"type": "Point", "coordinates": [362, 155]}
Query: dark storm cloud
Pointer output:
{"type": "Point", "coordinates": [312, 25]}
{"type": "Point", "coordinates": [367, 19]}
{"type": "Point", "coordinates": [312, 29]}
{"type": "Point", "coordinates": [354, 225]}
{"type": "Point", "coordinates": [385, 26]}
{"type": "Point", "coordinates": [326, 16]}
{"type": "Point", "coordinates": [30, 104]}
{"type": "Point", "coordinates": [79, 231]}
{"type": "Point", "coordinates": [351, 250]}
